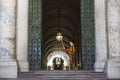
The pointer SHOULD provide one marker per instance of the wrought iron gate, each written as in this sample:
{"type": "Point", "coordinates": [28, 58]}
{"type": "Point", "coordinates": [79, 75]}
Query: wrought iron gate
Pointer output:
{"type": "Point", "coordinates": [87, 34]}
{"type": "Point", "coordinates": [34, 35]}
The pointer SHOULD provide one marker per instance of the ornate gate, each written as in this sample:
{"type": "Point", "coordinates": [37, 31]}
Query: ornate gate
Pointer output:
{"type": "Point", "coordinates": [87, 34]}
{"type": "Point", "coordinates": [34, 35]}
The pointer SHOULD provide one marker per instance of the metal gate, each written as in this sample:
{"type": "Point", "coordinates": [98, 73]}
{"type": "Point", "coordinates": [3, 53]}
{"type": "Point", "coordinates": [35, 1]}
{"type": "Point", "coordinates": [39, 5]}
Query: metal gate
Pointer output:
{"type": "Point", "coordinates": [87, 34]}
{"type": "Point", "coordinates": [34, 35]}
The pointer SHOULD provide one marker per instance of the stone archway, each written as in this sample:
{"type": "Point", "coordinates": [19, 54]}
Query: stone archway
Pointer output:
{"type": "Point", "coordinates": [60, 54]}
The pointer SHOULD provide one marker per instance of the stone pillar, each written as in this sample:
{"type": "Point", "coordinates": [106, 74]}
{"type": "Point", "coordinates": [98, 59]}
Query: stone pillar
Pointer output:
{"type": "Point", "coordinates": [22, 35]}
{"type": "Point", "coordinates": [8, 65]}
{"type": "Point", "coordinates": [113, 14]}
{"type": "Point", "coordinates": [100, 35]}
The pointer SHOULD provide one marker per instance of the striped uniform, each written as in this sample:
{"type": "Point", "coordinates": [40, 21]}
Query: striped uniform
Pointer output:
{"type": "Point", "coordinates": [71, 51]}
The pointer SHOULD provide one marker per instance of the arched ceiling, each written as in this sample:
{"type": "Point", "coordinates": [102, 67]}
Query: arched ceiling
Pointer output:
{"type": "Point", "coordinates": [69, 23]}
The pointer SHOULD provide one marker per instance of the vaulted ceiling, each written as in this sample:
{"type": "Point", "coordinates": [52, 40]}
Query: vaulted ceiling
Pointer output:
{"type": "Point", "coordinates": [69, 22]}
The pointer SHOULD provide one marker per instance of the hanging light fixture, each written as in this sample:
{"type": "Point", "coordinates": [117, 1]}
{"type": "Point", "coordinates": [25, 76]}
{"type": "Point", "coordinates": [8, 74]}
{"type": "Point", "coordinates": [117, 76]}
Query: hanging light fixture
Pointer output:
{"type": "Point", "coordinates": [59, 36]}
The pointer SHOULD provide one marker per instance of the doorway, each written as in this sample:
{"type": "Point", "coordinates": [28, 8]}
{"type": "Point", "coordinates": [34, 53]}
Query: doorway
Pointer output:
{"type": "Point", "coordinates": [58, 60]}
{"type": "Point", "coordinates": [68, 20]}
{"type": "Point", "coordinates": [77, 25]}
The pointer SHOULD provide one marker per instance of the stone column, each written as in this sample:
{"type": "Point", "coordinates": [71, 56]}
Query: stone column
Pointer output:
{"type": "Point", "coordinates": [113, 14]}
{"type": "Point", "coordinates": [100, 35]}
{"type": "Point", "coordinates": [22, 35]}
{"type": "Point", "coordinates": [8, 65]}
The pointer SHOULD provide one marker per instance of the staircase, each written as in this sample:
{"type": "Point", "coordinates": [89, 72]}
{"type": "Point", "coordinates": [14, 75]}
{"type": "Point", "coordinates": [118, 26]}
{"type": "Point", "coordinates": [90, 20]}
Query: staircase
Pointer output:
{"type": "Point", "coordinates": [61, 75]}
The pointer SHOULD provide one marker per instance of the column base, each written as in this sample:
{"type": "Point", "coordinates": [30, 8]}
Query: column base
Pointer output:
{"type": "Point", "coordinates": [113, 68]}
{"type": "Point", "coordinates": [99, 66]}
{"type": "Point", "coordinates": [23, 66]}
{"type": "Point", "coordinates": [8, 69]}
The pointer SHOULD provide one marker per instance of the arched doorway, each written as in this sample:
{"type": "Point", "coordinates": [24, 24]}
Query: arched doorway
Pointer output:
{"type": "Point", "coordinates": [69, 26]}
{"type": "Point", "coordinates": [60, 56]}
{"type": "Point", "coordinates": [77, 24]}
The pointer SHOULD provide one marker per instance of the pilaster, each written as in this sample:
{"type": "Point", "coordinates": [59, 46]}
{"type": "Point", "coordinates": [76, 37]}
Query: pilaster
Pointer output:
{"type": "Point", "coordinates": [8, 65]}
{"type": "Point", "coordinates": [22, 35]}
{"type": "Point", "coordinates": [100, 35]}
{"type": "Point", "coordinates": [113, 13]}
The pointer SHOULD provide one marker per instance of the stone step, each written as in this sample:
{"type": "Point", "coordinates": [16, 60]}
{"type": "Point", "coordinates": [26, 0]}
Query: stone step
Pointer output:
{"type": "Point", "coordinates": [55, 71]}
{"type": "Point", "coordinates": [58, 79]}
{"type": "Point", "coordinates": [64, 76]}
{"type": "Point", "coordinates": [62, 72]}
{"type": "Point", "coordinates": [61, 75]}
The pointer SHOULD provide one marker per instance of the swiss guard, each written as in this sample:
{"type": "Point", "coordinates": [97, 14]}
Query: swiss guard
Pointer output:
{"type": "Point", "coordinates": [71, 52]}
